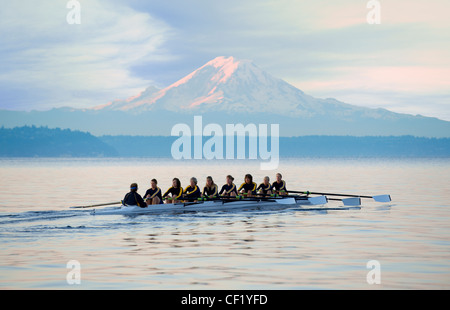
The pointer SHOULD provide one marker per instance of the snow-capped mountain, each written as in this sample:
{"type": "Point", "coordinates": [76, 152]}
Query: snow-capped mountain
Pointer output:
{"type": "Point", "coordinates": [227, 90]}
{"type": "Point", "coordinates": [232, 85]}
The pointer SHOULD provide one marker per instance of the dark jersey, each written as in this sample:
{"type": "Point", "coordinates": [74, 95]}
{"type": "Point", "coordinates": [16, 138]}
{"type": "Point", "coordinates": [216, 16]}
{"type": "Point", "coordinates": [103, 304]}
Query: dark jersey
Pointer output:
{"type": "Point", "coordinates": [210, 191]}
{"type": "Point", "coordinates": [228, 189]}
{"type": "Point", "coordinates": [264, 188]}
{"type": "Point", "coordinates": [279, 186]}
{"type": "Point", "coordinates": [191, 192]}
{"type": "Point", "coordinates": [175, 192]}
{"type": "Point", "coordinates": [248, 187]}
{"type": "Point", "coordinates": [152, 193]}
{"type": "Point", "coordinates": [134, 199]}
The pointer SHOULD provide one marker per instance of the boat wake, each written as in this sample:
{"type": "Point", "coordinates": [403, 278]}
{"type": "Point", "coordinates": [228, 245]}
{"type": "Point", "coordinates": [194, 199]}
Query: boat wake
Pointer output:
{"type": "Point", "coordinates": [33, 216]}
{"type": "Point", "coordinates": [35, 223]}
{"type": "Point", "coordinates": [54, 215]}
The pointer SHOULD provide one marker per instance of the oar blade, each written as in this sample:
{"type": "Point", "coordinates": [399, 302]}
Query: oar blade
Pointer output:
{"type": "Point", "coordinates": [354, 201]}
{"type": "Point", "coordinates": [382, 198]}
{"type": "Point", "coordinates": [286, 201]}
{"type": "Point", "coordinates": [319, 200]}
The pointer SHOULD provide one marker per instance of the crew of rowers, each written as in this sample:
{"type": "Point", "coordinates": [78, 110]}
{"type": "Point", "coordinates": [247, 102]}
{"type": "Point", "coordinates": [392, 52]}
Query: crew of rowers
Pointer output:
{"type": "Point", "coordinates": [175, 193]}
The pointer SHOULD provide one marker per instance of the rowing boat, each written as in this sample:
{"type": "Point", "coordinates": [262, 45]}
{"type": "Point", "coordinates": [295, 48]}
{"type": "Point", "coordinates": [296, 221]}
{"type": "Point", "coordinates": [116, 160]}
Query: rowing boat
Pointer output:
{"type": "Point", "coordinates": [214, 205]}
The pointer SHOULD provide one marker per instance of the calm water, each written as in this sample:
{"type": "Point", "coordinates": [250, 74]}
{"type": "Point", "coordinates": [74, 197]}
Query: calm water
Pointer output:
{"type": "Point", "coordinates": [289, 249]}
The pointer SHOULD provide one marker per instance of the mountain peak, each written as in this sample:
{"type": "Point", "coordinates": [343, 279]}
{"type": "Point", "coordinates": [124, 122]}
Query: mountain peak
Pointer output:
{"type": "Point", "coordinates": [226, 67]}
{"type": "Point", "coordinates": [226, 62]}
{"type": "Point", "coordinates": [200, 87]}
{"type": "Point", "coordinates": [222, 61]}
{"type": "Point", "coordinates": [226, 84]}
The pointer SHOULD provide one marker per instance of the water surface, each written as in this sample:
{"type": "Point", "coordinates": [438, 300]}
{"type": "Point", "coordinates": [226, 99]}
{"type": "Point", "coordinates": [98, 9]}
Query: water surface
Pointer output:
{"type": "Point", "coordinates": [288, 249]}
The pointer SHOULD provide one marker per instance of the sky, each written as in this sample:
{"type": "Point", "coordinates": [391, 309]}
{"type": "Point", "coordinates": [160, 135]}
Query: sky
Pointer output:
{"type": "Point", "coordinates": [325, 48]}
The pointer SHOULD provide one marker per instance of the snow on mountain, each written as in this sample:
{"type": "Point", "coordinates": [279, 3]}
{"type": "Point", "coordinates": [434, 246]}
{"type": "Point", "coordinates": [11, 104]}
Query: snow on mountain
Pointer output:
{"type": "Point", "coordinates": [130, 103]}
{"type": "Point", "coordinates": [230, 85]}
{"type": "Point", "coordinates": [226, 90]}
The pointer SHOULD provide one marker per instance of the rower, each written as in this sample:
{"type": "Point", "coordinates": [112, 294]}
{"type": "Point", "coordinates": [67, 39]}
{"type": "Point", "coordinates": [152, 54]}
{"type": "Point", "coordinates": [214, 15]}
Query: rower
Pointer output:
{"type": "Point", "coordinates": [229, 189]}
{"type": "Point", "coordinates": [192, 192]}
{"type": "Point", "coordinates": [265, 187]}
{"type": "Point", "coordinates": [210, 190]}
{"type": "Point", "coordinates": [153, 194]}
{"type": "Point", "coordinates": [279, 186]}
{"type": "Point", "coordinates": [133, 198]}
{"type": "Point", "coordinates": [175, 191]}
{"type": "Point", "coordinates": [248, 187]}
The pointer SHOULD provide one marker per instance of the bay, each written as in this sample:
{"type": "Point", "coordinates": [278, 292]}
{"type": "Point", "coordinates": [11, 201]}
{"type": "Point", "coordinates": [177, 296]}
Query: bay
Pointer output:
{"type": "Point", "coordinates": [288, 249]}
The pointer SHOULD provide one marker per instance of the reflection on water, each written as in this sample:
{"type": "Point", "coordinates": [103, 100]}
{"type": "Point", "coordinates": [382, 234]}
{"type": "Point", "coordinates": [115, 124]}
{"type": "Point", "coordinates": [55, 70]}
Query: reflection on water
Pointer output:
{"type": "Point", "coordinates": [286, 249]}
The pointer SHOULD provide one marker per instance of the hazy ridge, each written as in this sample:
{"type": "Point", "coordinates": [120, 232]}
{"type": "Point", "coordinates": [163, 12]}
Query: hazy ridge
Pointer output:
{"type": "Point", "coordinates": [45, 142]}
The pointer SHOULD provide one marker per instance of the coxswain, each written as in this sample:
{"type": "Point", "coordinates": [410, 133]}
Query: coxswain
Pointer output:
{"type": "Point", "coordinates": [133, 198]}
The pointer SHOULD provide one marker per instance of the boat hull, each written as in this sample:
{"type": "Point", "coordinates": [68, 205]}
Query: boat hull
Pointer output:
{"type": "Point", "coordinates": [207, 206]}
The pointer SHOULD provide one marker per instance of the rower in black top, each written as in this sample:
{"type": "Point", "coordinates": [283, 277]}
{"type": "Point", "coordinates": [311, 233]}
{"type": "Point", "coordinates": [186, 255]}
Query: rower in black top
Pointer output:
{"type": "Point", "coordinates": [229, 189]}
{"type": "Point", "coordinates": [175, 191]}
{"type": "Point", "coordinates": [210, 190]}
{"type": "Point", "coordinates": [192, 192]}
{"type": "Point", "coordinates": [265, 187]}
{"type": "Point", "coordinates": [248, 187]}
{"type": "Point", "coordinates": [133, 198]}
{"type": "Point", "coordinates": [279, 186]}
{"type": "Point", "coordinates": [153, 194]}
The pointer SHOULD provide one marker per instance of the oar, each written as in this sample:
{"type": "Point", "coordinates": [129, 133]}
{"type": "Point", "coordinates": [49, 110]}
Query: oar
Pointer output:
{"type": "Point", "coordinates": [378, 198]}
{"type": "Point", "coordinates": [287, 199]}
{"type": "Point", "coordinates": [320, 200]}
{"type": "Point", "coordinates": [245, 197]}
{"type": "Point", "coordinates": [353, 201]}
{"type": "Point", "coordinates": [99, 205]}
{"type": "Point", "coordinates": [279, 200]}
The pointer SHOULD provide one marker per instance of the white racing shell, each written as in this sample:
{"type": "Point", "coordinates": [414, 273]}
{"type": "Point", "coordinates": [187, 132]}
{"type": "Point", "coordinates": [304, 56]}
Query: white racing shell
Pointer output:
{"type": "Point", "coordinates": [213, 205]}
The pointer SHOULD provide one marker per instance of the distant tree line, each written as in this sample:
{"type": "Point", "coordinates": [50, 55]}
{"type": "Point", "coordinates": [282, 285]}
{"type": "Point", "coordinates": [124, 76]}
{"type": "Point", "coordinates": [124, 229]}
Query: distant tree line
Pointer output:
{"type": "Point", "coordinates": [31, 141]}
{"type": "Point", "coordinates": [369, 146]}
{"type": "Point", "coordinates": [304, 146]}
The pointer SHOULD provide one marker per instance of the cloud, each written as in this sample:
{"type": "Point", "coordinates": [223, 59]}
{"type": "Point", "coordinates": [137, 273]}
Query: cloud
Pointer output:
{"type": "Point", "coordinates": [52, 63]}
{"type": "Point", "coordinates": [421, 90]}
{"type": "Point", "coordinates": [326, 48]}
